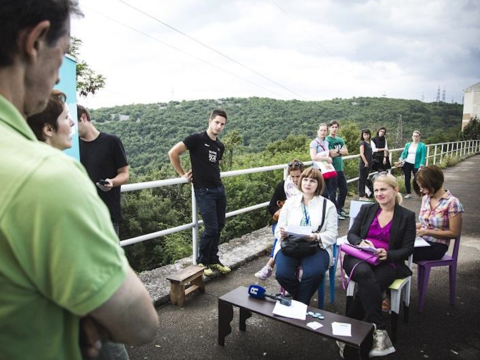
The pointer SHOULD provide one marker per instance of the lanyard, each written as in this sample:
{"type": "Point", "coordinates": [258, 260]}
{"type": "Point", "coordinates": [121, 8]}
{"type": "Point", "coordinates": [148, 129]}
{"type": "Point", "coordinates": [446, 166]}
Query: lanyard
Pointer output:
{"type": "Point", "coordinates": [305, 215]}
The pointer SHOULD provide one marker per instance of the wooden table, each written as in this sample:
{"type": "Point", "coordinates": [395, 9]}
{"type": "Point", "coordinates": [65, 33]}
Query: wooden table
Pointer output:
{"type": "Point", "coordinates": [359, 343]}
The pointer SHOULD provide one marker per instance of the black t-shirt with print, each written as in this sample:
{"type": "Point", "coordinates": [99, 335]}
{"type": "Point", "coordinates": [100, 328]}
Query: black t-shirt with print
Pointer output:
{"type": "Point", "coordinates": [205, 155]}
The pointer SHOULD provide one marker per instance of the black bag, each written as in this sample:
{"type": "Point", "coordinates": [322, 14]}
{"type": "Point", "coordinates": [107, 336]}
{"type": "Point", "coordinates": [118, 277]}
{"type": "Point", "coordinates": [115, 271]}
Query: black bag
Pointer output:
{"type": "Point", "coordinates": [377, 162]}
{"type": "Point", "coordinates": [297, 247]}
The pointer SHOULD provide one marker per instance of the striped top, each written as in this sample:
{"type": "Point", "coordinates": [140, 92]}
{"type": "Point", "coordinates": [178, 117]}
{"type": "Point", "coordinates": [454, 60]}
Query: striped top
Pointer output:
{"type": "Point", "coordinates": [438, 218]}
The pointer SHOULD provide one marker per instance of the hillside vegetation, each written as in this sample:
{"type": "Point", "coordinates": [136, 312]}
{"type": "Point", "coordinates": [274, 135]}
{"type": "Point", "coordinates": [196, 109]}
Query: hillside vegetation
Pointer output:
{"type": "Point", "coordinates": [259, 132]}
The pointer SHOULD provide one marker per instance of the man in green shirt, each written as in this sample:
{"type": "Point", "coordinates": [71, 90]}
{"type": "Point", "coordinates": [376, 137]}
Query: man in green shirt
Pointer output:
{"type": "Point", "coordinates": [337, 150]}
{"type": "Point", "coordinates": [59, 255]}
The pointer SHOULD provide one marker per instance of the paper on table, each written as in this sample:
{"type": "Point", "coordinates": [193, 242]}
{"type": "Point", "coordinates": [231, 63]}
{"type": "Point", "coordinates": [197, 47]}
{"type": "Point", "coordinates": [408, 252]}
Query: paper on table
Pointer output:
{"type": "Point", "coordinates": [314, 325]}
{"type": "Point", "coordinates": [298, 230]}
{"type": "Point", "coordinates": [297, 310]}
{"type": "Point", "coordinates": [420, 242]}
{"type": "Point", "coordinates": [341, 329]}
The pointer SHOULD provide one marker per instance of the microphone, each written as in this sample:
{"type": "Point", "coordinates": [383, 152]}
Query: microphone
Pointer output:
{"type": "Point", "coordinates": [258, 292]}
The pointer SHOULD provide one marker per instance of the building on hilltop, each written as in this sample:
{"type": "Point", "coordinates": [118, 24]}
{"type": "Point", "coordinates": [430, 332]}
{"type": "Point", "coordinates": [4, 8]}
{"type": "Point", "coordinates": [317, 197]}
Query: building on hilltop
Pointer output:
{"type": "Point", "coordinates": [471, 104]}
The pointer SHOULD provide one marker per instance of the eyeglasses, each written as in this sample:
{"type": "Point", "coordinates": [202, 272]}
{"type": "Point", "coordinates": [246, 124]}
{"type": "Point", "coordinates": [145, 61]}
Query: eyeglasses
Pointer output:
{"type": "Point", "coordinates": [381, 173]}
{"type": "Point", "coordinates": [295, 164]}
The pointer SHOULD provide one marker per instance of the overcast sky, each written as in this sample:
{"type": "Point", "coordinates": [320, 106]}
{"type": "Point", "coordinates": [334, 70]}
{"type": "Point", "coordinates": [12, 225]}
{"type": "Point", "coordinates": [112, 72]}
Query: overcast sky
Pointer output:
{"type": "Point", "coordinates": [283, 49]}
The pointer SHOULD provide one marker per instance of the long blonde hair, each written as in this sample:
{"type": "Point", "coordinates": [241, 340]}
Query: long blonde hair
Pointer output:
{"type": "Point", "coordinates": [390, 180]}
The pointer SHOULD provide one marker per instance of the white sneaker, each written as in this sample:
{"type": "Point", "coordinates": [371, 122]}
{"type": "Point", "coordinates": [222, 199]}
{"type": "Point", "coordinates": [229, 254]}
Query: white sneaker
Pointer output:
{"type": "Point", "coordinates": [382, 345]}
{"type": "Point", "coordinates": [408, 196]}
{"type": "Point", "coordinates": [341, 348]}
{"type": "Point", "coordinates": [264, 273]}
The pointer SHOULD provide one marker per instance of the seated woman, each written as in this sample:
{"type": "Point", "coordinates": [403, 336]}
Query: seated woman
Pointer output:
{"type": "Point", "coordinates": [306, 209]}
{"type": "Point", "coordinates": [54, 125]}
{"type": "Point", "coordinates": [391, 229]}
{"type": "Point", "coordinates": [440, 215]}
{"type": "Point", "coordinates": [284, 190]}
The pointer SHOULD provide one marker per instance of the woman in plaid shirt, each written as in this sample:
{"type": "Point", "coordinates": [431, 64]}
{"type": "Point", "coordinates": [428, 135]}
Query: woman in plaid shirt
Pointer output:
{"type": "Point", "coordinates": [440, 215]}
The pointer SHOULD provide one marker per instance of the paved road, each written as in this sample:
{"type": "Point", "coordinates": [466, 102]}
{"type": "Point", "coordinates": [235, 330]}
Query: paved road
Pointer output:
{"type": "Point", "coordinates": [440, 332]}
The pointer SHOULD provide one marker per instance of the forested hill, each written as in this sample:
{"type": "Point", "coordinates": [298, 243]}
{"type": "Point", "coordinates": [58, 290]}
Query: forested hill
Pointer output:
{"type": "Point", "coordinates": [149, 131]}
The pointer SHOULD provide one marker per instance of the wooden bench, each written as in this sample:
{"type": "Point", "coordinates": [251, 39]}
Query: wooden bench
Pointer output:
{"type": "Point", "coordinates": [358, 345]}
{"type": "Point", "coordinates": [193, 275]}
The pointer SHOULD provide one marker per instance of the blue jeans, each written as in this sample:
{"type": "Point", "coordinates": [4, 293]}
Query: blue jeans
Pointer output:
{"type": "Point", "coordinates": [212, 203]}
{"type": "Point", "coordinates": [314, 268]}
{"type": "Point", "coordinates": [338, 182]}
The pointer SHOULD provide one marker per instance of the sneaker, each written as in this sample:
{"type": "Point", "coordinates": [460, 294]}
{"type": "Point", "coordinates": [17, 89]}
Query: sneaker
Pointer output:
{"type": "Point", "coordinates": [221, 268]}
{"type": "Point", "coordinates": [264, 273]}
{"type": "Point", "coordinates": [408, 196]}
{"type": "Point", "coordinates": [341, 217]}
{"type": "Point", "coordinates": [341, 348]}
{"type": "Point", "coordinates": [207, 271]}
{"type": "Point", "coordinates": [344, 213]}
{"type": "Point", "coordinates": [386, 305]}
{"type": "Point", "coordinates": [382, 345]}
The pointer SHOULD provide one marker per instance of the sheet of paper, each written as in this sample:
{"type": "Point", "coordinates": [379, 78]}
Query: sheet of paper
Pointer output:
{"type": "Point", "coordinates": [299, 230]}
{"type": "Point", "coordinates": [314, 325]}
{"type": "Point", "coordinates": [420, 242]}
{"type": "Point", "coordinates": [368, 249]}
{"type": "Point", "coordinates": [297, 310]}
{"type": "Point", "coordinates": [341, 329]}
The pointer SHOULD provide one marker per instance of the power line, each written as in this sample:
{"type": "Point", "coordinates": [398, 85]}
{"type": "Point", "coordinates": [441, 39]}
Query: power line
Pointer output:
{"type": "Point", "coordinates": [311, 36]}
{"type": "Point", "coordinates": [183, 52]}
{"type": "Point", "coordinates": [210, 48]}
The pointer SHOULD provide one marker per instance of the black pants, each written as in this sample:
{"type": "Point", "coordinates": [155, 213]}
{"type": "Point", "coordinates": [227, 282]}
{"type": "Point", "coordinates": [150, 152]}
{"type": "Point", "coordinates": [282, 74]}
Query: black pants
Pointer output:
{"type": "Point", "coordinates": [407, 170]}
{"type": "Point", "coordinates": [433, 252]}
{"type": "Point", "coordinates": [372, 281]}
{"type": "Point", "coordinates": [362, 179]}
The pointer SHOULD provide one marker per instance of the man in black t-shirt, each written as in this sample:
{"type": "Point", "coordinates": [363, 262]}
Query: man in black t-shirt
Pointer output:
{"type": "Point", "coordinates": [206, 151]}
{"type": "Point", "coordinates": [103, 156]}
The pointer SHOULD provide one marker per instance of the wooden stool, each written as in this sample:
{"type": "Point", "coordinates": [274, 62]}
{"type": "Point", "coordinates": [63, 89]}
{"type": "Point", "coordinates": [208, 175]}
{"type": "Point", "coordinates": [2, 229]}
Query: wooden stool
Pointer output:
{"type": "Point", "coordinates": [193, 275]}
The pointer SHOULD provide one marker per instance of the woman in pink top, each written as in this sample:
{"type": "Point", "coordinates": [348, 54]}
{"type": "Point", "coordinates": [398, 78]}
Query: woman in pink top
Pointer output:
{"type": "Point", "coordinates": [391, 229]}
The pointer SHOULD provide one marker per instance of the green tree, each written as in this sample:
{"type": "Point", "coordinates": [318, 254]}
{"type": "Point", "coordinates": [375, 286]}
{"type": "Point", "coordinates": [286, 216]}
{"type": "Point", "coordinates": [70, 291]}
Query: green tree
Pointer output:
{"type": "Point", "coordinates": [472, 130]}
{"type": "Point", "coordinates": [88, 82]}
{"type": "Point", "coordinates": [232, 141]}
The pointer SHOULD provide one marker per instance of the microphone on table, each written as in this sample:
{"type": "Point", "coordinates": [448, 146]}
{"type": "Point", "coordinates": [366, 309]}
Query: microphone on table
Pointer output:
{"type": "Point", "coordinates": [258, 292]}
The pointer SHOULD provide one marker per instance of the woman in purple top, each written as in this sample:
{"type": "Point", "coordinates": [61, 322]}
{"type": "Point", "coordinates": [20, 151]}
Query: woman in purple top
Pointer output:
{"type": "Point", "coordinates": [391, 229]}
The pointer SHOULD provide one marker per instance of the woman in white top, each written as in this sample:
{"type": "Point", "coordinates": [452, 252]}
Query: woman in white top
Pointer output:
{"type": "Point", "coordinates": [306, 209]}
{"type": "Point", "coordinates": [413, 158]}
{"type": "Point", "coordinates": [319, 151]}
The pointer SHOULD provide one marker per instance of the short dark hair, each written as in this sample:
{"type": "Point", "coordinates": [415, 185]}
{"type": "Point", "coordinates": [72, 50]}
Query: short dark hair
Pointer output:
{"type": "Point", "coordinates": [313, 173]}
{"type": "Point", "coordinates": [333, 122]}
{"type": "Point", "coordinates": [49, 116]}
{"type": "Point", "coordinates": [83, 110]}
{"type": "Point", "coordinates": [365, 131]}
{"type": "Point", "coordinates": [430, 178]}
{"type": "Point", "coordinates": [218, 112]}
{"type": "Point", "coordinates": [16, 15]}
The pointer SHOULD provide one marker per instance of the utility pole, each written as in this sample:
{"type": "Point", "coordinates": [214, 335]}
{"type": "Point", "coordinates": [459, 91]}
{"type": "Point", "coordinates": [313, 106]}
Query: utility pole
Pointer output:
{"type": "Point", "coordinates": [444, 94]}
{"type": "Point", "coordinates": [438, 95]}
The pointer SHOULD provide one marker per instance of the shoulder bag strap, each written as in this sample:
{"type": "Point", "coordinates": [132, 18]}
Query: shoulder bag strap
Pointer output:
{"type": "Point", "coordinates": [323, 215]}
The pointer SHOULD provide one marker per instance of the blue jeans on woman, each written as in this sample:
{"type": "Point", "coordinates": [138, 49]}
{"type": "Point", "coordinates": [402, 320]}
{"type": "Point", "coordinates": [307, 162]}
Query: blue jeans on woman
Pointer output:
{"type": "Point", "coordinates": [212, 203]}
{"type": "Point", "coordinates": [314, 268]}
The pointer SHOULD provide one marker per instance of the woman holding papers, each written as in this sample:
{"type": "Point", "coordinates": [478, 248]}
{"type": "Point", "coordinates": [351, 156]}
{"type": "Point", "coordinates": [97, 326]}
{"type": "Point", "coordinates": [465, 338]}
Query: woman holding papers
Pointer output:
{"type": "Point", "coordinates": [440, 215]}
{"type": "Point", "coordinates": [306, 210]}
{"type": "Point", "coordinates": [389, 228]}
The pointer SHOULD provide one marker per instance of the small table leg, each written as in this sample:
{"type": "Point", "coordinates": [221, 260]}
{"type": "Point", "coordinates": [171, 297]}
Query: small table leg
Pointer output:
{"type": "Point", "coordinates": [225, 316]}
{"type": "Point", "coordinates": [244, 315]}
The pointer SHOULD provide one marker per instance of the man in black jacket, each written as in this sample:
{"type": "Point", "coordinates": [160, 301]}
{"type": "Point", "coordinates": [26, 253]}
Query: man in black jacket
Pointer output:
{"type": "Point", "coordinates": [283, 191]}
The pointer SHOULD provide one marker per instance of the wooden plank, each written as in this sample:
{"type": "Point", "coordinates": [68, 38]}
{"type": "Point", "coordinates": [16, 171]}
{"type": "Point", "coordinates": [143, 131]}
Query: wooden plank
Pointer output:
{"type": "Point", "coordinates": [187, 274]}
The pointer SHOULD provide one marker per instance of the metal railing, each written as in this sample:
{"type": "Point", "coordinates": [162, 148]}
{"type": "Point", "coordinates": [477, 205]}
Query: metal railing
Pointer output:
{"type": "Point", "coordinates": [435, 153]}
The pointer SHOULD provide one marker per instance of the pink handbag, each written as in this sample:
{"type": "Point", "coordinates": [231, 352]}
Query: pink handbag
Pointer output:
{"type": "Point", "coordinates": [359, 253]}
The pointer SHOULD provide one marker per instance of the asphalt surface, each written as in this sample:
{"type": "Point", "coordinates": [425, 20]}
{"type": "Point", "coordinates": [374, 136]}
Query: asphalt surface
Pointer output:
{"type": "Point", "coordinates": [442, 331]}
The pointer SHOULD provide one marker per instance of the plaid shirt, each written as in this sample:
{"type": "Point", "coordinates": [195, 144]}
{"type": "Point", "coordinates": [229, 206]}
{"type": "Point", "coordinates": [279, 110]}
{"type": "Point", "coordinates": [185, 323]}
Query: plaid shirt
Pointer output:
{"type": "Point", "coordinates": [448, 206]}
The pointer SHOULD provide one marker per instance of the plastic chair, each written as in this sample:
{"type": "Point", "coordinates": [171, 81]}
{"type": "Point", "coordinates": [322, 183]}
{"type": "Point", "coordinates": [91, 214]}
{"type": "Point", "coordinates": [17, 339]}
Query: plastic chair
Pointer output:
{"type": "Point", "coordinates": [331, 274]}
{"type": "Point", "coordinates": [423, 274]}
{"type": "Point", "coordinates": [395, 298]}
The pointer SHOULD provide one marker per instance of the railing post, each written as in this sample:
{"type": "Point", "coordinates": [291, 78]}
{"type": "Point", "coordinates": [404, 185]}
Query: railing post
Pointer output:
{"type": "Point", "coordinates": [435, 155]}
{"type": "Point", "coordinates": [390, 157]}
{"type": "Point", "coordinates": [195, 228]}
{"type": "Point", "coordinates": [428, 154]}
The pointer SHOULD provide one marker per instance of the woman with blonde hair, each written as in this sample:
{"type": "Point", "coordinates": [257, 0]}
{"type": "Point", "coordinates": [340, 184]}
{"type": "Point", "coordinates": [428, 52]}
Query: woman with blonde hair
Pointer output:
{"type": "Point", "coordinates": [390, 228]}
{"type": "Point", "coordinates": [307, 209]}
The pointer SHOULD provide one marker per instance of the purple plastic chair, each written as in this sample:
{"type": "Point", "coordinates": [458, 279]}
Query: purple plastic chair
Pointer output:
{"type": "Point", "coordinates": [423, 273]}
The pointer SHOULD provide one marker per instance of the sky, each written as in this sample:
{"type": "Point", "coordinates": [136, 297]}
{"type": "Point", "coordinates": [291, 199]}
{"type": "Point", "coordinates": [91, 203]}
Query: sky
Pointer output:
{"type": "Point", "coordinates": [154, 51]}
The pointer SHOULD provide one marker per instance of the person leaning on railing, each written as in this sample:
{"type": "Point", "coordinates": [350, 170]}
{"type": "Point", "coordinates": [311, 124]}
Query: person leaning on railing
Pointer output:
{"type": "Point", "coordinates": [306, 209]}
{"type": "Point", "coordinates": [390, 228]}
{"type": "Point", "coordinates": [413, 158]}
{"type": "Point", "coordinates": [440, 214]}
{"type": "Point", "coordinates": [283, 191]}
